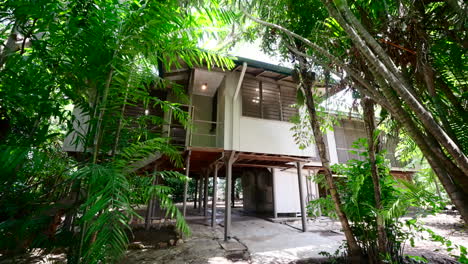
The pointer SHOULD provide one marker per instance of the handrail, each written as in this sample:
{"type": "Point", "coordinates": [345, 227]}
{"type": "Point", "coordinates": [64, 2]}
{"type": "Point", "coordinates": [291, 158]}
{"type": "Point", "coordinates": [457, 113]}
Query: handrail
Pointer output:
{"type": "Point", "coordinates": [203, 134]}
{"type": "Point", "coordinates": [205, 121]}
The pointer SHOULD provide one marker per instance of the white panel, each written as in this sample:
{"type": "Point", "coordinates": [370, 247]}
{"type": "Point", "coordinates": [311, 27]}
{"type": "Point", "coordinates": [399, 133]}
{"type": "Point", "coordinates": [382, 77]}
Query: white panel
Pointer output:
{"type": "Point", "coordinates": [332, 147]}
{"type": "Point", "coordinates": [80, 127]}
{"type": "Point", "coordinates": [269, 136]}
{"type": "Point", "coordinates": [287, 190]}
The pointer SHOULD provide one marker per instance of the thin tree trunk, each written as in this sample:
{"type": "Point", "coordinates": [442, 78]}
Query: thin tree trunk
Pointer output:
{"type": "Point", "coordinates": [119, 125]}
{"type": "Point", "coordinates": [384, 66]}
{"type": "Point", "coordinates": [306, 80]}
{"type": "Point", "coordinates": [455, 182]}
{"type": "Point", "coordinates": [369, 121]}
{"type": "Point", "coordinates": [97, 136]}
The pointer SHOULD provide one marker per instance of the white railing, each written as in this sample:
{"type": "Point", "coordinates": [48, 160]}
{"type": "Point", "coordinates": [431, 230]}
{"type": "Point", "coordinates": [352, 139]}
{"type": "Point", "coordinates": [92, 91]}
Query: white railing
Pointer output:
{"type": "Point", "coordinates": [197, 133]}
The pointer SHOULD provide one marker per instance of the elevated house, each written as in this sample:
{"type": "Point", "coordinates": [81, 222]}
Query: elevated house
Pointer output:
{"type": "Point", "coordinates": [241, 129]}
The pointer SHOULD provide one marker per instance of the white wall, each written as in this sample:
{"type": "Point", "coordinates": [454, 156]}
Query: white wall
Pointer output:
{"type": "Point", "coordinates": [269, 136]}
{"type": "Point", "coordinates": [232, 112]}
{"type": "Point", "coordinates": [286, 190]}
{"type": "Point", "coordinates": [255, 134]}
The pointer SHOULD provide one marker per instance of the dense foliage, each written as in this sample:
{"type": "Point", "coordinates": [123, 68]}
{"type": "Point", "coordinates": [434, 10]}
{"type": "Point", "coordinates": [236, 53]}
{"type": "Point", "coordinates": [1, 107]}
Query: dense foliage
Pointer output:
{"type": "Point", "coordinates": [407, 56]}
{"type": "Point", "coordinates": [95, 59]}
{"type": "Point", "coordinates": [399, 199]}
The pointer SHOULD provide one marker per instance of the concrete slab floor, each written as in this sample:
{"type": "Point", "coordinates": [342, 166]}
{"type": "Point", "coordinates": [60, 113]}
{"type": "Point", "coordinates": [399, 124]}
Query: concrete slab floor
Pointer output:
{"type": "Point", "coordinates": [266, 242]}
{"type": "Point", "coordinates": [270, 242]}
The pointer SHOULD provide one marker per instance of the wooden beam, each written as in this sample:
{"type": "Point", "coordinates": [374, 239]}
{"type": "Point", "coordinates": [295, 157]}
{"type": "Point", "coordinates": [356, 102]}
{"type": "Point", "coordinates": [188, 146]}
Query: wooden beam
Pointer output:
{"type": "Point", "coordinates": [236, 68]}
{"type": "Point", "coordinates": [262, 72]}
{"type": "Point", "coordinates": [249, 165]}
{"type": "Point", "coordinates": [244, 156]}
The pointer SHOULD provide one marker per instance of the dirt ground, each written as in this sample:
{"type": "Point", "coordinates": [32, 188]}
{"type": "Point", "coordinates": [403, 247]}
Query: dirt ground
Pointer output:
{"type": "Point", "coordinates": [446, 225]}
{"type": "Point", "coordinates": [257, 240]}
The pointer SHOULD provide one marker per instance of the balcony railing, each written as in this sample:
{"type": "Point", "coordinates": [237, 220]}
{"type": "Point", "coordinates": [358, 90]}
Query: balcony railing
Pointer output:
{"type": "Point", "coordinates": [200, 133]}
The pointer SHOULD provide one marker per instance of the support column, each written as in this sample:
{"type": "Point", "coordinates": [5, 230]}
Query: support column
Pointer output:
{"type": "Point", "coordinates": [187, 174]}
{"type": "Point", "coordinates": [195, 198]}
{"type": "Point", "coordinates": [233, 193]}
{"type": "Point", "coordinates": [215, 195]}
{"type": "Point", "coordinates": [200, 196]}
{"type": "Point", "coordinates": [301, 197]}
{"type": "Point", "coordinates": [149, 213]}
{"type": "Point", "coordinates": [275, 209]}
{"type": "Point", "coordinates": [205, 193]}
{"type": "Point", "coordinates": [227, 213]}
{"type": "Point", "coordinates": [332, 147]}
{"type": "Point", "coordinates": [149, 209]}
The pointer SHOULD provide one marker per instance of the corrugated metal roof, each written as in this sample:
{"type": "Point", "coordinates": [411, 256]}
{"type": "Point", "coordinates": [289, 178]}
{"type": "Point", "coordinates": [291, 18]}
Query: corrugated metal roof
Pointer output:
{"type": "Point", "coordinates": [264, 65]}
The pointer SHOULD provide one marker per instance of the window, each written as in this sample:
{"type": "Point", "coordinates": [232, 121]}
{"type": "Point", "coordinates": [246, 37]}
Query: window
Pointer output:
{"type": "Point", "coordinates": [251, 98]}
{"type": "Point", "coordinates": [288, 99]}
{"type": "Point", "coordinates": [268, 100]}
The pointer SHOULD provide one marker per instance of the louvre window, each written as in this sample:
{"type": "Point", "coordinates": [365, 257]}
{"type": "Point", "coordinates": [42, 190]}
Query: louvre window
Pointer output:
{"type": "Point", "coordinates": [288, 99]}
{"type": "Point", "coordinates": [251, 98]}
{"type": "Point", "coordinates": [271, 105]}
{"type": "Point", "coordinates": [267, 100]}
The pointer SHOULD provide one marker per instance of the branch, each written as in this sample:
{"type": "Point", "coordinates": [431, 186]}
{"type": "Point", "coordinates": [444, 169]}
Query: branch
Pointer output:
{"type": "Point", "coordinates": [395, 81]}
{"type": "Point", "coordinates": [364, 87]}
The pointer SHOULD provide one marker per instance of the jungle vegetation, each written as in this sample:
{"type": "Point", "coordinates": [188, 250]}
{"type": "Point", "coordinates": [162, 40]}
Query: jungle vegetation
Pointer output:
{"type": "Point", "coordinates": [97, 57]}
{"type": "Point", "coordinates": [405, 58]}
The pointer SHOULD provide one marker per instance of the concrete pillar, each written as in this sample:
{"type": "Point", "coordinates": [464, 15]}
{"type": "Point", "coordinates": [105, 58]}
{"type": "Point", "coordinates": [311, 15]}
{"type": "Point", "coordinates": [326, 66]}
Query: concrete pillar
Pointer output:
{"type": "Point", "coordinates": [275, 209]}
{"type": "Point", "coordinates": [215, 195]}
{"type": "Point", "coordinates": [200, 196]}
{"type": "Point", "coordinates": [187, 173]}
{"type": "Point", "coordinates": [195, 198]}
{"type": "Point", "coordinates": [227, 213]}
{"type": "Point", "coordinates": [301, 197]}
{"type": "Point", "coordinates": [149, 214]}
{"type": "Point", "coordinates": [233, 193]}
{"type": "Point", "coordinates": [205, 193]}
{"type": "Point", "coordinates": [149, 209]}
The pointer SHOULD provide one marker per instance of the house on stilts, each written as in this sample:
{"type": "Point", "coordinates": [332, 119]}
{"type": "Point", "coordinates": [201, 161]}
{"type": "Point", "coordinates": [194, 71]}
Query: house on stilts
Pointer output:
{"type": "Point", "coordinates": [240, 129]}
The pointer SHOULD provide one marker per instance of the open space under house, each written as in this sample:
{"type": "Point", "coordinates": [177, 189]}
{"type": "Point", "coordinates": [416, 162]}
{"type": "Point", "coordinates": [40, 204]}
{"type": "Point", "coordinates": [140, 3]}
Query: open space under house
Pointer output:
{"type": "Point", "coordinates": [241, 129]}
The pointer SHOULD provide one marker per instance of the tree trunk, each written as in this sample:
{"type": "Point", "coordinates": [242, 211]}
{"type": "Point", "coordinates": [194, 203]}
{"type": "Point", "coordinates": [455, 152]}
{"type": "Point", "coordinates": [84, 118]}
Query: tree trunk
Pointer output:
{"type": "Point", "coordinates": [306, 81]}
{"type": "Point", "coordinates": [384, 68]}
{"type": "Point", "coordinates": [369, 121]}
{"type": "Point", "coordinates": [455, 182]}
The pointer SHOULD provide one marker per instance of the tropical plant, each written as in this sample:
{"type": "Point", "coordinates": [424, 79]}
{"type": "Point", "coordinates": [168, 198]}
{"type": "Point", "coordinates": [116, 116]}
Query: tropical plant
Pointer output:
{"type": "Point", "coordinates": [408, 57]}
{"type": "Point", "coordinates": [356, 189]}
{"type": "Point", "coordinates": [100, 58]}
{"type": "Point", "coordinates": [34, 194]}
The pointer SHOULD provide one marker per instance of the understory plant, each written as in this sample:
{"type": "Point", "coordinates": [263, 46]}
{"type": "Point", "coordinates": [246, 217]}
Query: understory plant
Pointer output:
{"type": "Point", "coordinates": [399, 198]}
{"type": "Point", "coordinates": [105, 61]}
